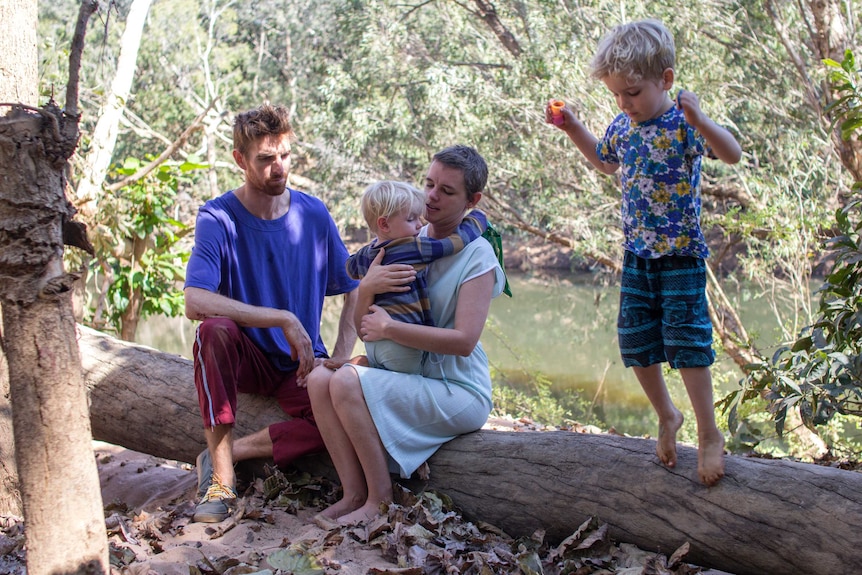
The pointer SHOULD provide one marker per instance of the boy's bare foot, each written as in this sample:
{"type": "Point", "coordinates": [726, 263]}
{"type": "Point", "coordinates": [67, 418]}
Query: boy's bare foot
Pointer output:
{"type": "Point", "coordinates": [665, 447]}
{"type": "Point", "coordinates": [710, 460]}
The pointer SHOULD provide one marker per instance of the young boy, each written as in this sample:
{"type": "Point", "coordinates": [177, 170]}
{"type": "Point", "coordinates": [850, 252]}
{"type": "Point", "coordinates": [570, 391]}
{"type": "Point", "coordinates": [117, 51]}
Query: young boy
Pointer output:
{"type": "Point", "coordinates": [393, 212]}
{"type": "Point", "coordinates": [659, 144]}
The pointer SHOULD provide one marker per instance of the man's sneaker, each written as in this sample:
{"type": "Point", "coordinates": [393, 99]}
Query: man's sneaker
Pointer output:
{"type": "Point", "coordinates": [213, 507]}
{"type": "Point", "coordinates": [204, 465]}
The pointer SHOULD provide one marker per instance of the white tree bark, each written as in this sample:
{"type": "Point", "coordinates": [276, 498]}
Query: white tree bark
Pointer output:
{"type": "Point", "coordinates": [104, 138]}
{"type": "Point", "coordinates": [19, 69]}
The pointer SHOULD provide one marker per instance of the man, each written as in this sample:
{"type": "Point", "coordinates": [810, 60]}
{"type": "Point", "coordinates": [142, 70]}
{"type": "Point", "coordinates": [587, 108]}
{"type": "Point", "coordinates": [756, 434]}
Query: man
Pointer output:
{"type": "Point", "coordinates": [264, 258]}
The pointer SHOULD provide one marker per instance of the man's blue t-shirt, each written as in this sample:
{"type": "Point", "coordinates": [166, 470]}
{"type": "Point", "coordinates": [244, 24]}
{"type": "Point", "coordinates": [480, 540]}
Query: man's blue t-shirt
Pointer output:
{"type": "Point", "coordinates": [289, 263]}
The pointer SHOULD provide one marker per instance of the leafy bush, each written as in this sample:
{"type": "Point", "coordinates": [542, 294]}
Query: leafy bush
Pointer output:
{"type": "Point", "coordinates": [139, 262]}
{"type": "Point", "coordinates": [820, 374]}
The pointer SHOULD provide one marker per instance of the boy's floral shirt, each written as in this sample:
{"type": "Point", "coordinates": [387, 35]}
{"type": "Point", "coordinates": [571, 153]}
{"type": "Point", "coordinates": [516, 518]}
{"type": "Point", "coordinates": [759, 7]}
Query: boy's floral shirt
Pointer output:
{"type": "Point", "coordinates": [660, 173]}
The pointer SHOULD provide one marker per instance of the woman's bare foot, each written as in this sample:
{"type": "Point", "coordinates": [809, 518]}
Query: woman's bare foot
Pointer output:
{"type": "Point", "coordinates": [361, 516]}
{"type": "Point", "coordinates": [665, 447]}
{"type": "Point", "coordinates": [710, 460]}
{"type": "Point", "coordinates": [339, 508]}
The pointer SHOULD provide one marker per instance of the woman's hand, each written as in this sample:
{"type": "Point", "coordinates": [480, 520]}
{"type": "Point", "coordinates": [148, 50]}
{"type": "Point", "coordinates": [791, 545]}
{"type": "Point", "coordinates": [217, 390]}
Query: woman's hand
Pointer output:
{"type": "Point", "coordinates": [374, 324]}
{"type": "Point", "coordinates": [389, 278]}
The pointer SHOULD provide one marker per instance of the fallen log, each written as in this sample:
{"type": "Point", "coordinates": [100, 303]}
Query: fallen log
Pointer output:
{"type": "Point", "coordinates": [145, 399]}
{"type": "Point", "coordinates": [765, 516]}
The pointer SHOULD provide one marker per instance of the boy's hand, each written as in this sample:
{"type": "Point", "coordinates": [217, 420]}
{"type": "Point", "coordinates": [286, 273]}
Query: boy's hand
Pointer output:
{"type": "Point", "coordinates": [720, 140]}
{"type": "Point", "coordinates": [558, 114]}
{"type": "Point", "coordinates": [690, 106]}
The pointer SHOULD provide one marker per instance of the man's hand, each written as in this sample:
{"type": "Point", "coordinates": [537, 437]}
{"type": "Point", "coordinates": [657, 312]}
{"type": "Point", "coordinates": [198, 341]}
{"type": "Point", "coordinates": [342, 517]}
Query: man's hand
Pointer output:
{"type": "Point", "coordinates": [301, 349]}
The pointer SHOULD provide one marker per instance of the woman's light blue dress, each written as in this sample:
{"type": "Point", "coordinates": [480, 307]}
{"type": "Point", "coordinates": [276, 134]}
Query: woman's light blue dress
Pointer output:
{"type": "Point", "coordinates": [417, 413]}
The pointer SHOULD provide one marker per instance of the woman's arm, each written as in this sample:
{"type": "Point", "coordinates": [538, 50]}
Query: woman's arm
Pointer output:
{"type": "Point", "coordinates": [474, 302]}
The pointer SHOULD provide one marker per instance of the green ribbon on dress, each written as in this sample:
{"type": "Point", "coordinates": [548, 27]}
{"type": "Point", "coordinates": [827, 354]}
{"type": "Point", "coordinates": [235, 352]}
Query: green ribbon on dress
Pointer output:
{"type": "Point", "coordinates": [496, 241]}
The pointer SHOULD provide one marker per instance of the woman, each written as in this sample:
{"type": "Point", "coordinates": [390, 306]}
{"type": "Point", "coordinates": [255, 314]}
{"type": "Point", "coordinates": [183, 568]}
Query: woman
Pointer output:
{"type": "Point", "coordinates": [373, 420]}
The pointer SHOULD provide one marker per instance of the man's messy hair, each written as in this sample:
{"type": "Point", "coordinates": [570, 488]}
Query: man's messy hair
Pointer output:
{"type": "Point", "coordinates": [266, 120]}
{"type": "Point", "coordinates": [637, 50]}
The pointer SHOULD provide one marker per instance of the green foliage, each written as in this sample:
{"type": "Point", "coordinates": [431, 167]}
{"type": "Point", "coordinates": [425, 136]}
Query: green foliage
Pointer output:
{"type": "Point", "coordinates": [820, 373]}
{"type": "Point", "coordinates": [138, 251]}
{"type": "Point", "coordinates": [846, 110]}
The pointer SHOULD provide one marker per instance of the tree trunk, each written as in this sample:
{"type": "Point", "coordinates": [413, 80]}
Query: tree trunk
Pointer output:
{"type": "Point", "coordinates": [145, 399]}
{"type": "Point", "coordinates": [59, 483]}
{"type": "Point", "coordinates": [18, 83]}
{"type": "Point", "coordinates": [765, 516]}
{"type": "Point", "coordinates": [58, 478]}
{"type": "Point", "coordinates": [10, 493]}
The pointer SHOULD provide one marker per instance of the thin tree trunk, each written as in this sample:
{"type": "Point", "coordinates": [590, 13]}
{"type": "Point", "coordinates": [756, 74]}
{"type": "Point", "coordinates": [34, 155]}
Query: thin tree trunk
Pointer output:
{"type": "Point", "coordinates": [104, 137]}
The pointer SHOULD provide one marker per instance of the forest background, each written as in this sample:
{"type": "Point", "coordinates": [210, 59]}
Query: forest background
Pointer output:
{"type": "Point", "coordinates": [375, 88]}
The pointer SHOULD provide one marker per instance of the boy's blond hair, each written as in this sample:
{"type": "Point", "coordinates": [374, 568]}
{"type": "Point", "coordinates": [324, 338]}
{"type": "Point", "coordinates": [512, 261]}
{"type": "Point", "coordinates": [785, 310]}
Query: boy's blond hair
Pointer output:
{"type": "Point", "coordinates": [637, 50]}
{"type": "Point", "coordinates": [387, 198]}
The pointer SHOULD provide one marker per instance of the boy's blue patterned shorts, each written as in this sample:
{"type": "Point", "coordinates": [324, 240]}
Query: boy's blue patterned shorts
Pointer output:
{"type": "Point", "coordinates": [664, 315]}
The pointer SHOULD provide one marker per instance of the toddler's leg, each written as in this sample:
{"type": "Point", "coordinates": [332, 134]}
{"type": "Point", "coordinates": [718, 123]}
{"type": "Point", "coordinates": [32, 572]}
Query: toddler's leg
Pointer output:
{"type": "Point", "coordinates": [669, 417]}
{"type": "Point", "coordinates": [710, 441]}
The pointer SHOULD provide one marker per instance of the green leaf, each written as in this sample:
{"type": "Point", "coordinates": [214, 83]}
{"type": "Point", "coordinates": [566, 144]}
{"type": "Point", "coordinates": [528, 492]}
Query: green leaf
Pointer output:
{"type": "Point", "coordinates": [295, 560]}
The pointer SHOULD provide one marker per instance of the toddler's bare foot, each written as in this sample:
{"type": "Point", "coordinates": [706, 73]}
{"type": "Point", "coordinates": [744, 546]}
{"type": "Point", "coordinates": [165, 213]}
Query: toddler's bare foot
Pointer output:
{"type": "Point", "coordinates": [665, 447]}
{"type": "Point", "coordinates": [710, 460]}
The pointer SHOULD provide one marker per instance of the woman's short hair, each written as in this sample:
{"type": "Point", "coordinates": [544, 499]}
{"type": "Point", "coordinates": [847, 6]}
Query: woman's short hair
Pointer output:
{"type": "Point", "coordinates": [266, 120]}
{"type": "Point", "coordinates": [636, 50]}
{"type": "Point", "coordinates": [387, 198]}
{"type": "Point", "coordinates": [471, 164]}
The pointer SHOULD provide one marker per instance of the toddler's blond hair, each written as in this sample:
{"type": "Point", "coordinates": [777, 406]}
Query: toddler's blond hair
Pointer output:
{"type": "Point", "coordinates": [387, 198]}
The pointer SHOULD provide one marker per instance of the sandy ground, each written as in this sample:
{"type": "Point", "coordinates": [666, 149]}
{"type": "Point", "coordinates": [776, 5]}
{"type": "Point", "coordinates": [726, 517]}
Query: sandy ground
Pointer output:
{"type": "Point", "coordinates": [160, 538]}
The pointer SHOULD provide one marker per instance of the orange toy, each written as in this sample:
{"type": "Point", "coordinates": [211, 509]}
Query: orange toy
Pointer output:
{"type": "Point", "coordinates": [557, 112]}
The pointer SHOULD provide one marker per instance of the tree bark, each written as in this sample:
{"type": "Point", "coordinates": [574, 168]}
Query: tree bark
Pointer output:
{"type": "Point", "coordinates": [18, 83]}
{"type": "Point", "coordinates": [765, 516]}
{"type": "Point", "coordinates": [59, 483]}
{"type": "Point", "coordinates": [10, 493]}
